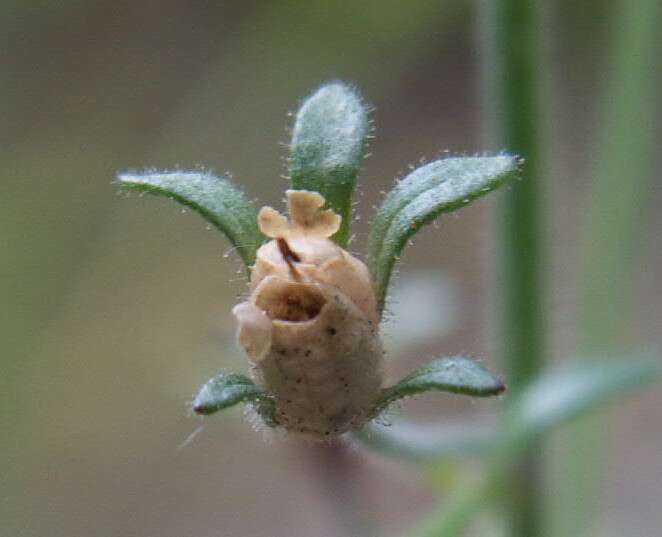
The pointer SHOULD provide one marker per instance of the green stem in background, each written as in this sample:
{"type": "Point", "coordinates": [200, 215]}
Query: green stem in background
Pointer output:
{"type": "Point", "coordinates": [465, 505]}
{"type": "Point", "coordinates": [622, 178]}
{"type": "Point", "coordinates": [622, 174]}
{"type": "Point", "coordinates": [516, 116]}
{"type": "Point", "coordinates": [513, 49]}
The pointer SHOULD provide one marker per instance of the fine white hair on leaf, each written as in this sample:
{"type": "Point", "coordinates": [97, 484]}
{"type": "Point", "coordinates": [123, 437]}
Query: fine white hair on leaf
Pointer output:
{"type": "Point", "coordinates": [192, 436]}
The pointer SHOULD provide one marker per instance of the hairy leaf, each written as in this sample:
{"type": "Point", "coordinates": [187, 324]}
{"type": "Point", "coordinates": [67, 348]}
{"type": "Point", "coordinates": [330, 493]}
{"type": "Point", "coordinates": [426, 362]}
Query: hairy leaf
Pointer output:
{"type": "Point", "coordinates": [438, 187]}
{"type": "Point", "coordinates": [455, 374]}
{"type": "Point", "coordinates": [327, 146]}
{"type": "Point", "coordinates": [218, 201]}
{"type": "Point", "coordinates": [226, 390]}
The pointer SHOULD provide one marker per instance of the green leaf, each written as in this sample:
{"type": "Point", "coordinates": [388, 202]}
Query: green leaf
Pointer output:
{"type": "Point", "coordinates": [226, 390]}
{"type": "Point", "coordinates": [559, 396]}
{"type": "Point", "coordinates": [553, 399]}
{"type": "Point", "coordinates": [418, 442]}
{"type": "Point", "coordinates": [455, 374]}
{"type": "Point", "coordinates": [548, 402]}
{"type": "Point", "coordinates": [328, 141]}
{"type": "Point", "coordinates": [438, 187]}
{"type": "Point", "coordinates": [218, 201]}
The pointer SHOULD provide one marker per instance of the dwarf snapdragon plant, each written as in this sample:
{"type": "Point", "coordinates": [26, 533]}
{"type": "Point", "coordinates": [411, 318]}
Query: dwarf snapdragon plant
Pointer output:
{"type": "Point", "coordinates": [311, 325]}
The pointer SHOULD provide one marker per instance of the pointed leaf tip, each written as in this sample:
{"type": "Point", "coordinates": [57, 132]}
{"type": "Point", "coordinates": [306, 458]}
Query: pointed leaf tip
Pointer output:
{"type": "Point", "coordinates": [225, 390]}
{"type": "Point", "coordinates": [455, 375]}
{"type": "Point", "coordinates": [328, 142]}
{"type": "Point", "coordinates": [216, 199]}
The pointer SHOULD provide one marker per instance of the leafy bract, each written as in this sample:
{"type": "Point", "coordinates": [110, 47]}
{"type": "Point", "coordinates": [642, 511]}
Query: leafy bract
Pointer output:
{"type": "Point", "coordinates": [438, 187]}
{"type": "Point", "coordinates": [220, 202]}
{"type": "Point", "coordinates": [229, 389]}
{"type": "Point", "coordinates": [226, 390]}
{"type": "Point", "coordinates": [455, 374]}
{"type": "Point", "coordinates": [327, 147]}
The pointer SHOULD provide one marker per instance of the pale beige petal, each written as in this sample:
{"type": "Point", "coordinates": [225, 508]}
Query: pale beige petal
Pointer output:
{"type": "Point", "coordinates": [273, 224]}
{"type": "Point", "coordinates": [307, 217]}
{"type": "Point", "coordinates": [255, 330]}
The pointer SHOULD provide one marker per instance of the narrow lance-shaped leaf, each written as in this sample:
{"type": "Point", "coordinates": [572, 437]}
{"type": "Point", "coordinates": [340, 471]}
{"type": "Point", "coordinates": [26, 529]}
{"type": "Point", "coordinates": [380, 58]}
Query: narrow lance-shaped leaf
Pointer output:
{"type": "Point", "coordinates": [559, 396]}
{"type": "Point", "coordinates": [438, 187]}
{"type": "Point", "coordinates": [229, 389]}
{"type": "Point", "coordinates": [327, 147]}
{"type": "Point", "coordinates": [218, 201]}
{"type": "Point", "coordinates": [420, 442]}
{"type": "Point", "coordinates": [455, 374]}
{"type": "Point", "coordinates": [225, 390]}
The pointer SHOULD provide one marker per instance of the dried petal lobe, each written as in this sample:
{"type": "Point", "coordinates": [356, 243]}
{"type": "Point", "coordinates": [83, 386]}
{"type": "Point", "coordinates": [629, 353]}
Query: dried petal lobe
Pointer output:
{"type": "Point", "coordinates": [306, 217]}
{"type": "Point", "coordinates": [254, 334]}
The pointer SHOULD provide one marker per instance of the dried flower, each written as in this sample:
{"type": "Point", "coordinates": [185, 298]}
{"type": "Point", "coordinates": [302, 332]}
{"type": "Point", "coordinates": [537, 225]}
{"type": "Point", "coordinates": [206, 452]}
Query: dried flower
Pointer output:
{"type": "Point", "coordinates": [311, 324]}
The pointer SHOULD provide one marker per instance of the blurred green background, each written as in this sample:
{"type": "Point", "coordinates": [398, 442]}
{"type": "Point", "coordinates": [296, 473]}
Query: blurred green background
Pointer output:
{"type": "Point", "coordinates": [116, 308]}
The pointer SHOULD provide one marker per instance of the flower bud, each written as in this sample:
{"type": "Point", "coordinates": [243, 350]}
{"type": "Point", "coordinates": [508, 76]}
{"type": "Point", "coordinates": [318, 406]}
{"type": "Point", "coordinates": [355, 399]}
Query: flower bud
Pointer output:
{"type": "Point", "coordinates": [310, 326]}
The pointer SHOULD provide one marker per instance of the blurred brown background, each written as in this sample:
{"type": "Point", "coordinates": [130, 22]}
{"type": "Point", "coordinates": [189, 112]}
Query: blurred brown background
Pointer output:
{"type": "Point", "coordinates": [116, 309]}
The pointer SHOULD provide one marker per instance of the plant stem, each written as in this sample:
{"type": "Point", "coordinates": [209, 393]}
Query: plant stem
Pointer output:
{"type": "Point", "coordinates": [514, 90]}
{"type": "Point", "coordinates": [465, 504]}
{"type": "Point", "coordinates": [510, 68]}
{"type": "Point", "coordinates": [622, 175]}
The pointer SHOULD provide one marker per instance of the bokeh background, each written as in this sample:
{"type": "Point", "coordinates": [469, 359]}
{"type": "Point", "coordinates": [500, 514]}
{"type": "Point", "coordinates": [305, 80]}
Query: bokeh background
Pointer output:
{"type": "Point", "coordinates": [115, 309]}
